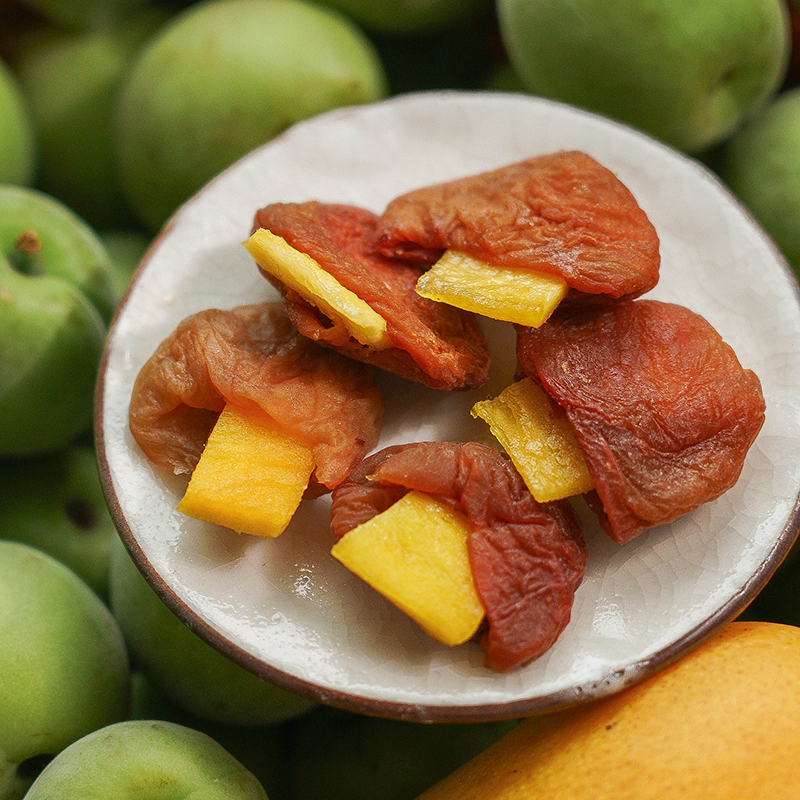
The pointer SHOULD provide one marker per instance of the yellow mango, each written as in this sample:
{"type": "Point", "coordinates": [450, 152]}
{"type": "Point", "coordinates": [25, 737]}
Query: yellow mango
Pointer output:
{"type": "Point", "coordinates": [504, 293]}
{"type": "Point", "coordinates": [250, 477]}
{"type": "Point", "coordinates": [300, 272]}
{"type": "Point", "coordinates": [541, 444]}
{"type": "Point", "coordinates": [722, 723]}
{"type": "Point", "coordinates": [415, 555]}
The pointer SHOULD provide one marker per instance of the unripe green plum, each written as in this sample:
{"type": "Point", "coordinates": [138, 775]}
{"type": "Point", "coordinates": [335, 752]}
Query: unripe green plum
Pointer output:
{"type": "Point", "coordinates": [223, 77]}
{"type": "Point", "coordinates": [63, 663]}
{"type": "Point", "coordinates": [685, 72]}
{"type": "Point", "coordinates": [146, 760]}
{"type": "Point", "coordinates": [56, 296]}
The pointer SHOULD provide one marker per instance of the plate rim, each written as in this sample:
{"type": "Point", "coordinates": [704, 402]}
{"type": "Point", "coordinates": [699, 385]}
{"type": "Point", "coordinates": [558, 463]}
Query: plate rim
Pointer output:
{"type": "Point", "coordinates": [433, 712]}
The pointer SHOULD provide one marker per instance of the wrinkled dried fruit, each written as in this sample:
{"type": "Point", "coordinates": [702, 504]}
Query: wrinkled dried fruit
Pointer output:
{"type": "Point", "coordinates": [562, 214]}
{"type": "Point", "coordinates": [252, 357]}
{"type": "Point", "coordinates": [527, 558]}
{"type": "Point", "coordinates": [661, 407]}
{"type": "Point", "coordinates": [434, 344]}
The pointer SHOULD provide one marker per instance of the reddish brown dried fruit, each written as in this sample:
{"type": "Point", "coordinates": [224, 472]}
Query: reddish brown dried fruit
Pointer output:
{"type": "Point", "coordinates": [253, 357]}
{"type": "Point", "coordinates": [527, 558]}
{"type": "Point", "coordinates": [437, 345]}
{"type": "Point", "coordinates": [562, 213]}
{"type": "Point", "coordinates": [662, 408]}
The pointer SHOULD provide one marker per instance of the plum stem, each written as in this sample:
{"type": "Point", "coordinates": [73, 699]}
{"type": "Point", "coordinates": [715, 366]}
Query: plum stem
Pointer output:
{"type": "Point", "coordinates": [24, 258]}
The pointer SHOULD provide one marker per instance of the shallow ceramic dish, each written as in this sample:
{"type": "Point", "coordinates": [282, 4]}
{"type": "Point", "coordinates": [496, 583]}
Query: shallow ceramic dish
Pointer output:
{"type": "Point", "coordinates": [285, 608]}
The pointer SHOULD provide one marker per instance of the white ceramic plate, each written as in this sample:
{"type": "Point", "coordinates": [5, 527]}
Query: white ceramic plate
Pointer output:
{"type": "Point", "coordinates": [285, 608]}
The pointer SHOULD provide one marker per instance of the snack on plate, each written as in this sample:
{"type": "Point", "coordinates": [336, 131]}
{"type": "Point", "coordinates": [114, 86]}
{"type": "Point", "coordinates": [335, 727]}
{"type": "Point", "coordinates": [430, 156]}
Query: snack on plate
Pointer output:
{"type": "Point", "coordinates": [252, 358]}
{"type": "Point", "coordinates": [527, 558]}
{"type": "Point", "coordinates": [637, 405]}
{"type": "Point", "coordinates": [561, 215]}
{"type": "Point", "coordinates": [660, 405]}
{"type": "Point", "coordinates": [342, 293]}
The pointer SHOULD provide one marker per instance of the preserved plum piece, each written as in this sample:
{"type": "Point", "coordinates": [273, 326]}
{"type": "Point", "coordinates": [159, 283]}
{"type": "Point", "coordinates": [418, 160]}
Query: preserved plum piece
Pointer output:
{"type": "Point", "coordinates": [527, 558]}
{"type": "Point", "coordinates": [252, 357]}
{"type": "Point", "coordinates": [661, 407]}
{"type": "Point", "coordinates": [562, 214]}
{"type": "Point", "coordinates": [437, 345]}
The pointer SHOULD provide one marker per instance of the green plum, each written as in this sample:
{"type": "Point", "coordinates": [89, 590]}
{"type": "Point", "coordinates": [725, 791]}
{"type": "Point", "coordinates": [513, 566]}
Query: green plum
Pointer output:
{"type": "Point", "coordinates": [145, 760]}
{"type": "Point", "coordinates": [223, 77]}
{"type": "Point", "coordinates": [338, 755]}
{"type": "Point", "coordinates": [686, 72]}
{"type": "Point", "coordinates": [56, 295]}
{"type": "Point", "coordinates": [56, 504]}
{"type": "Point", "coordinates": [408, 16]}
{"type": "Point", "coordinates": [761, 164]}
{"type": "Point", "coordinates": [70, 80]}
{"type": "Point", "coordinates": [17, 147]}
{"type": "Point", "coordinates": [183, 667]}
{"type": "Point", "coordinates": [63, 663]}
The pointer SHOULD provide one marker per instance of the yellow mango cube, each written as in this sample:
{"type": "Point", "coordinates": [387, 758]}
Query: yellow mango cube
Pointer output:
{"type": "Point", "coordinates": [504, 293]}
{"type": "Point", "coordinates": [541, 444]}
{"type": "Point", "coordinates": [415, 555]}
{"type": "Point", "coordinates": [250, 477]}
{"type": "Point", "coordinates": [300, 272]}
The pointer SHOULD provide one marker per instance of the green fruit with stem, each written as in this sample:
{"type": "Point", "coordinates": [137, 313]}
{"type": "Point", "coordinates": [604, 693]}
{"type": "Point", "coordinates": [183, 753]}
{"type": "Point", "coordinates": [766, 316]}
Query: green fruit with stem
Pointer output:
{"type": "Point", "coordinates": [685, 72]}
{"type": "Point", "coordinates": [56, 296]}
{"type": "Point", "coordinates": [146, 760]}
{"type": "Point", "coordinates": [63, 664]}
{"type": "Point", "coordinates": [185, 669]}
{"type": "Point", "coordinates": [223, 77]}
{"type": "Point", "coordinates": [55, 503]}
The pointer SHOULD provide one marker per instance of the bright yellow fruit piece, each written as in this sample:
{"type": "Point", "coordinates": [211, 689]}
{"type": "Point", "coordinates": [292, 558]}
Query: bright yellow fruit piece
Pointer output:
{"type": "Point", "coordinates": [415, 555]}
{"type": "Point", "coordinates": [300, 272]}
{"type": "Point", "coordinates": [541, 444]}
{"type": "Point", "coordinates": [250, 477]}
{"type": "Point", "coordinates": [504, 293]}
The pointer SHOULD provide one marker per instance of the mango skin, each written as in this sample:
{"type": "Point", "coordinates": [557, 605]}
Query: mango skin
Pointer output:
{"type": "Point", "coordinates": [721, 723]}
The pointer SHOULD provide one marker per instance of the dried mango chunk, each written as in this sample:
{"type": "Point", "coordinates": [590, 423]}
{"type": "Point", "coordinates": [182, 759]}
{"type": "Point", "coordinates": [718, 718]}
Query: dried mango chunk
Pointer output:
{"type": "Point", "coordinates": [250, 477]}
{"type": "Point", "coordinates": [510, 294]}
{"type": "Point", "coordinates": [300, 272]}
{"type": "Point", "coordinates": [415, 555]}
{"type": "Point", "coordinates": [541, 445]}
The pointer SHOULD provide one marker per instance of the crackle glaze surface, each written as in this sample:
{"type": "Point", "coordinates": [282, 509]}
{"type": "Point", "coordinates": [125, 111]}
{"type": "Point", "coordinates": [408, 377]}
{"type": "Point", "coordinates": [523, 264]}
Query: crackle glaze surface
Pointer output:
{"type": "Point", "coordinates": [285, 608]}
